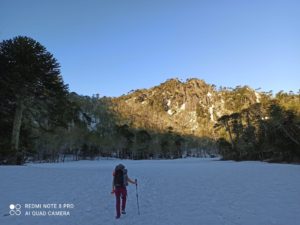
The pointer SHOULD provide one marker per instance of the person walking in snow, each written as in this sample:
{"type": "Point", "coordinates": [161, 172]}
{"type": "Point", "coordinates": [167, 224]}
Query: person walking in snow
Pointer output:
{"type": "Point", "coordinates": [120, 181]}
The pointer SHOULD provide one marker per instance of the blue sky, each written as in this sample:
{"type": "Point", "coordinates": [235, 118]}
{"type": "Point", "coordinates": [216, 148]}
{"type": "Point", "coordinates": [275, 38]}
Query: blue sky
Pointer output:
{"type": "Point", "coordinates": [113, 46]}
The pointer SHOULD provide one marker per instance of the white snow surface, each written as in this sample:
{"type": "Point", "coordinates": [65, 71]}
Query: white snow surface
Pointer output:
{"type": "Point", "coordinates": [182, 107]}
{"type": "Point", "coordinates": [171, 192]}
{"type": "Point", "coordinates": [170, 112]}
{"type": "Point", "coordinates": [258, 97]}
{"type": "Point", "coordinates": [211, 112]}
{"type": "Point", "coordinates": [169, 103]}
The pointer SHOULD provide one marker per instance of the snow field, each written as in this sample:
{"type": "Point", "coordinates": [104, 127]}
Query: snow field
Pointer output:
{"type": "Point", "coordinates": [171, 192]}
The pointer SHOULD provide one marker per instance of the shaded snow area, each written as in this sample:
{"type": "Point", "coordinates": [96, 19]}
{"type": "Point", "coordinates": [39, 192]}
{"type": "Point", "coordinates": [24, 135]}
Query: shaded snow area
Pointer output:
{"type": "Point", "coordinates": [174, 192]}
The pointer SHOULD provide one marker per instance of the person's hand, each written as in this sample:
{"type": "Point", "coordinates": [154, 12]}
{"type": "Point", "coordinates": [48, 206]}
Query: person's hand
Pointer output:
{"type": "Point", "coordinates": [112, 191]}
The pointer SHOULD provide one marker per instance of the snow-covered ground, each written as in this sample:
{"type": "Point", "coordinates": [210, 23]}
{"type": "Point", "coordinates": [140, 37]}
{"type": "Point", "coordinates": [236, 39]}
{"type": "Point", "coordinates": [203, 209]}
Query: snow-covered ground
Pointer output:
{"type": "Point", "coordinates": [174, 192]}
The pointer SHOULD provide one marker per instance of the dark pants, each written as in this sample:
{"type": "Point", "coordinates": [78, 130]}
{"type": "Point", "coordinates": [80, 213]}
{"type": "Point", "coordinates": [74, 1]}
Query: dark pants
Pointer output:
{"type": "Point", "coordinates": [120, 192]}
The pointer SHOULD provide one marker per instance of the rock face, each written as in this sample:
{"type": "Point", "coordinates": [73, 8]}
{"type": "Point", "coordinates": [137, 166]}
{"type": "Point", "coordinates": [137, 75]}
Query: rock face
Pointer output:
{"type": "Point", "coordinates": [190, 107]}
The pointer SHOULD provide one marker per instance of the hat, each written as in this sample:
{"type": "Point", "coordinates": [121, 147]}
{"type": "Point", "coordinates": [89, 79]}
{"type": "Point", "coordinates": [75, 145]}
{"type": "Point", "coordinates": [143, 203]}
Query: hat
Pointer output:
{"type": "Point", "coordinates": [120, 166]}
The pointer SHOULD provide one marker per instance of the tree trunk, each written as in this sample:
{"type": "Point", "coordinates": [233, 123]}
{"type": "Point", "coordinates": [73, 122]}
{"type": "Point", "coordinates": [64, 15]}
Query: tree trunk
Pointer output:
{"type": "Point", "coordinates": [230, 135]}
{"type": "Point", "coordinates": [17, 125]}
{"type": "Point", "coordinates": [289, 135]}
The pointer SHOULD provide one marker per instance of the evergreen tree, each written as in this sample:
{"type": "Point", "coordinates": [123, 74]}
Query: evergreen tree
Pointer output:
{"type": "Point", "coordinates": [34, 87]}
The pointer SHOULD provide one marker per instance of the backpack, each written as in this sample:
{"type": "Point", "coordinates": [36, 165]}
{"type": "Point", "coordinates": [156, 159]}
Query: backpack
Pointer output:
{"type": "Point", "coordinates": [120, 176]}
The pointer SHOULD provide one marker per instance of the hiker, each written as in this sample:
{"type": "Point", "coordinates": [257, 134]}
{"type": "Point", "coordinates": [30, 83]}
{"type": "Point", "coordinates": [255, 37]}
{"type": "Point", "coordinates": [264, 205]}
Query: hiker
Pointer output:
{"type": "Point", "coordinates": [120, 181]}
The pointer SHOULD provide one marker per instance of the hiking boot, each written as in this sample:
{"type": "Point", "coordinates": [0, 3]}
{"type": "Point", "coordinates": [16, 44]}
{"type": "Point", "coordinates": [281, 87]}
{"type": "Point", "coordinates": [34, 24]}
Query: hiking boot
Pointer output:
{"type": "Point", "coordinates": [118, 217]}
{"type": "Point", "coordinates": [123, 212]}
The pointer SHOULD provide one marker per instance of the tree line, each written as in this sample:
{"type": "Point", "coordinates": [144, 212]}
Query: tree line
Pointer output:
{"type": "Point", "coordinates": [269, 130]}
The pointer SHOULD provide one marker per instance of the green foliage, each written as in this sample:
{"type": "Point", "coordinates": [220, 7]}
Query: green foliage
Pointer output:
{"type": "Point", "coordinates": [33, 93]}
{"type": "Point", "coordinates": [268, 131]}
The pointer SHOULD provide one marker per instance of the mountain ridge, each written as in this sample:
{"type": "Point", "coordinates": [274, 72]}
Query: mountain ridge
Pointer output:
{"type": "Point", "coordinates": [191, 107]}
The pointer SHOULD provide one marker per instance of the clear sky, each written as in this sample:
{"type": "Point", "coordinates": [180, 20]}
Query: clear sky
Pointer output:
{"type": "Point", "coordinates": [113, 46]}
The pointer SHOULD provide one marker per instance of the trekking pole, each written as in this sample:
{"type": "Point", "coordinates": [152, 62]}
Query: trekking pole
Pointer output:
{"type": "Point", "coordinates": [137, 197]}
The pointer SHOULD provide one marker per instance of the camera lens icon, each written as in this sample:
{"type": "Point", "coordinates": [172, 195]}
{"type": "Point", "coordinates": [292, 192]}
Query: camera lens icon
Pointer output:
{"type": "Point", "coordinates": [15, 209]}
